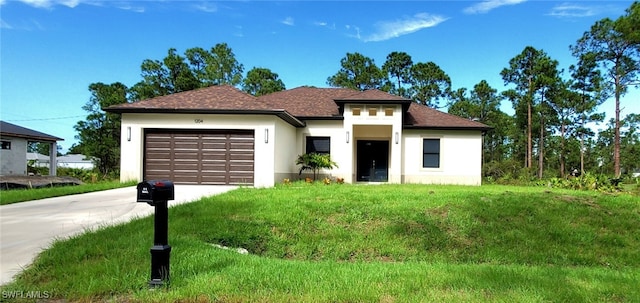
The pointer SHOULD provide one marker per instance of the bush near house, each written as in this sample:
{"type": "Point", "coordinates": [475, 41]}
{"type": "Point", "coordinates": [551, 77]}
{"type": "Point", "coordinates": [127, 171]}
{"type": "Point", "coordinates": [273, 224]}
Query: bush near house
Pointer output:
{"type": "Point", "coordinates": [315, 162]}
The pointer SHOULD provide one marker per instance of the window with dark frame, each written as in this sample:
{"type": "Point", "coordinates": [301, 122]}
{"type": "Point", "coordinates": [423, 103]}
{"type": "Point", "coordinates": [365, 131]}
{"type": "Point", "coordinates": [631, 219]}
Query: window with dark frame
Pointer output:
{"type": "Point", "coordinates": [319, 145]}
{"type": "Point", "coordinates": [431, 153]}
{"type": "Point", "coordinates": [6, 144]}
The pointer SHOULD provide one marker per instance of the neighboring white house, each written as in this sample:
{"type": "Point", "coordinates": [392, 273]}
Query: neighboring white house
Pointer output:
{"type": "Point", "coordinates": [38, 160]}
{"type": "Point", "coordinates": [221, 135]}
{"type": "Point", "coordinates": [69, 161]}
{"type": "Point", "coordinates": [13, 153]}
{"type": "Point", "coordinates": [75, 161]}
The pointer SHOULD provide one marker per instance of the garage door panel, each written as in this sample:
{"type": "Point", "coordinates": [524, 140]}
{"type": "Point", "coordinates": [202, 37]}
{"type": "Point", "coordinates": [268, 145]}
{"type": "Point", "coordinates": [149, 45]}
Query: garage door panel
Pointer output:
{"type": "Point", "coordinates": [200, 157]}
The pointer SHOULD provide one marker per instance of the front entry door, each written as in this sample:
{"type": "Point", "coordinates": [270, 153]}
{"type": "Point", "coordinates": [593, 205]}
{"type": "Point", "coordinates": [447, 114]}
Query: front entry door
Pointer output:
{"type": "Point", "coordinates": [373, 161]}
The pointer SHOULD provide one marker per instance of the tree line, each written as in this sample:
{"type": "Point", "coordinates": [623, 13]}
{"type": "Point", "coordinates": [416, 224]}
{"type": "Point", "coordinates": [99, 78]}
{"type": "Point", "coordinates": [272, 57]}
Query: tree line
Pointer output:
{"type": "Point", "coordinates": [548, 136]}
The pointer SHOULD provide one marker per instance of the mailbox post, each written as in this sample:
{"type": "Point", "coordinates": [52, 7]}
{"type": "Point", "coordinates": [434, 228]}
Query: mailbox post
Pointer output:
{"type": "Point", "coordinates": [157, 194]}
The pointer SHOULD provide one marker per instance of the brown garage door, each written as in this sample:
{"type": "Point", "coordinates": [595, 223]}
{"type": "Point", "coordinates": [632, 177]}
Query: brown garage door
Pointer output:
{"type": "Point", "coordinates": [199, 157]}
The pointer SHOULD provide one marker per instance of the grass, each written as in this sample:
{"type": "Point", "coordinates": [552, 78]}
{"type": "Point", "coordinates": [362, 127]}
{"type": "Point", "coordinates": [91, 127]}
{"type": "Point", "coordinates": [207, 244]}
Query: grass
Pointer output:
{"type": "Point", "coordinates": [21, 195]}
{"type": "Point", "coordinates": [349, 243]}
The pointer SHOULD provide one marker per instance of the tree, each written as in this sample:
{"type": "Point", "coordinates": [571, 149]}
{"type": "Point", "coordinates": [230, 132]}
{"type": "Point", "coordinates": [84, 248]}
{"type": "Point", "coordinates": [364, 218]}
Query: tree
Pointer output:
{"type": "Point", "coordinates": [180, 77]}
{"type": "Point", "coordinates": [75, 149]}
{"type": "Point", "coordinates": [99, 134]}
{"type": "Point", "coordinates": [398, 66]}
{"type": "Point", "coordinates": [357, 72]}
{"type": "Point", "coordinates": [483, 105]}
{"type": "Point", "coordinates": [615, 46]}
{"type": "Point", "coordinates": [533, 73]}
{"type": "Point", "coordinates": [42, 148]}
{"type": "Point", "coordinates": [199, 68]}
{"type": "Point", "coordinates": [429, 84]}
{"type": "Point", "coordinates": [630, 144]}
{"type": "Point", "coordinates": [222, 66]}
{"type": "Point", "coordinates": [314, 162]}
{"type": "Point", "coordinates": [586, 94]}
{"type": "Point", "coordinates": [262, 81]}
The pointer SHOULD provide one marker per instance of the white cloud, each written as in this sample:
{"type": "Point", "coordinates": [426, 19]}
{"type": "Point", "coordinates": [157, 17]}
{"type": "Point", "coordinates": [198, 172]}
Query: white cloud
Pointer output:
{"type": "Point", "coordinates": [207, 7]}
{"type": "Point", "coordinates": [49, 4]}
{"type": "Point", "coordinates": [391, 29]}
{"type": "Point", "coordinates": [5, 24]}
{"type": "Point", "coordinates": [38, 3]}
{"type": "Point", "coordinates": [572, 10]}
{"type": "Point", "coordinates": [128, 7]}
{"type": "Point", "coordinates": [288, 21]}
{"type": "Point", "coordinates": [487, 5]}
{"type": "Point", "coordinates": [324, 24]}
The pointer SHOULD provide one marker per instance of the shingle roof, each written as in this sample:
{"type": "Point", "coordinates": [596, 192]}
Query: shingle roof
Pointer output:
{"type": "Point", "coordinates": [222, 97]}
{"type": "Point", "coordinates": [308, 101]}
{"type": "Point", "coordinates": [12, 130]}
{"type": "Point", "coordinates": [373, 95]}
{"type": "Point", "coordinates": [421, 116]}
{"type": "Point", "coordinates": [298, 103]}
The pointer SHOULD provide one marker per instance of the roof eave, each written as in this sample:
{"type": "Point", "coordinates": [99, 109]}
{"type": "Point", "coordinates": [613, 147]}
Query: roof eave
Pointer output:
{"type": "Point", "coordinates": [28, 137]}
{"type": "Point", "coordinates": [367, 101]}
{"type": "Point", "coordinates": [478, 128]}
{"type": "Point", "coordinates": [282, 114]}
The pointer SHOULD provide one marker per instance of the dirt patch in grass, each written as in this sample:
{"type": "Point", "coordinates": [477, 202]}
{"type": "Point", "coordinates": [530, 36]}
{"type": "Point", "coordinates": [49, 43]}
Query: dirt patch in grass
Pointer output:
{"type": "Point", "coordinates": [588, 201]}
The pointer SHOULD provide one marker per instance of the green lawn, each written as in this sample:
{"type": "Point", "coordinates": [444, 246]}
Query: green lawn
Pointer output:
{"type": "Point", "coordinates": [22, 195]}
{"type": "Point", "coordinates": [358, 243]}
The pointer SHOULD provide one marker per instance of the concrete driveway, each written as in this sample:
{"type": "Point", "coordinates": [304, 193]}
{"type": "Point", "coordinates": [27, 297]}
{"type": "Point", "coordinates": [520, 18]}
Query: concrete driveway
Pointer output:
{"type": "Point", "coordinates": [29, 227]}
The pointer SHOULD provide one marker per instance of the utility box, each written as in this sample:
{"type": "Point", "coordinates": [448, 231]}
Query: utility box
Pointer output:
{"type": "Point", "coordinates": [155, 191]}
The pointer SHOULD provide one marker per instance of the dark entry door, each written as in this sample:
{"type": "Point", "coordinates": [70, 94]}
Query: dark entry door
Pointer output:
{"type": "Point", "coordinates": [373, 161]}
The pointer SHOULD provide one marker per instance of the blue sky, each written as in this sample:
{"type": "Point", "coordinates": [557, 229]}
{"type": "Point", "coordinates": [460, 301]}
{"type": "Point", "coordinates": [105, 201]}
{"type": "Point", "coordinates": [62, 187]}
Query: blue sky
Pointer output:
{"type": "Point", "coordinates": [52, 50]}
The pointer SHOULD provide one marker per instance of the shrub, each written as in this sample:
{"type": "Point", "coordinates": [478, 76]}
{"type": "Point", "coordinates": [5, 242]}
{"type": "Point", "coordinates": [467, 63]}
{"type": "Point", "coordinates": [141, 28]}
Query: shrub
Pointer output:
{"type": "Point", "coordinates": [314, 162]}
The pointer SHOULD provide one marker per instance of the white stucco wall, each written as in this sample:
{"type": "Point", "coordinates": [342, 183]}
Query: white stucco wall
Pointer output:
{"type": "Point", "coordinates": [460, 157]}
{"type": "Point", "coordinates": [285, 151]}
{"type": "Point", "coordinates": [131, 159]}
{"type": "Point", "coordinates": [340, 152]}
{"type": "Point", "coordinates": [376, 127]}
{"type": "Point", "coordinates": [14, 161]}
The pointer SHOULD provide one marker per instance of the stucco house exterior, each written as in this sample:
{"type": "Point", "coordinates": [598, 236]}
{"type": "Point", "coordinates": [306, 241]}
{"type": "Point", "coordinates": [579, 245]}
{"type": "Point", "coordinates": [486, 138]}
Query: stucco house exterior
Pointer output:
{"type": "Point", "coordinates": [13, 153]}
{"type": "Point", "coordinates": [221, 135]}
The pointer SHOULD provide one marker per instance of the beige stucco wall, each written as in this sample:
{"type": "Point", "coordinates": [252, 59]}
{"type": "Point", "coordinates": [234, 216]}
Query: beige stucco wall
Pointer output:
{"type": "Point", "coordinates": [131, 163]}
{"type": "Point", "coordinates": [460, 157]}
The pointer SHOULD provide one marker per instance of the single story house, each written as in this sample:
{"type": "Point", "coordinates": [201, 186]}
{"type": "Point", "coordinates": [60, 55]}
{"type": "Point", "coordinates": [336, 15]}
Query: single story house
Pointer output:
{"type": "Point", "coordinates": [68, 161]}
{"type": "Point", "coordinates": [13, 153]}
{"type": "Point", "coordinates": [221, 135]}
{"type": "Point", "coordinates": [38, 160]}
{"type": "Point", "coordinates": [75, 161]}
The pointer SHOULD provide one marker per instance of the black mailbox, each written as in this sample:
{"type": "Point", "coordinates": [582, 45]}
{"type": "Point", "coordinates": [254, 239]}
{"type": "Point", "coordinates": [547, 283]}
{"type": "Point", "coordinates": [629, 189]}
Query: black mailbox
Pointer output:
{"type": "Point", "coordinates": [155, 191]}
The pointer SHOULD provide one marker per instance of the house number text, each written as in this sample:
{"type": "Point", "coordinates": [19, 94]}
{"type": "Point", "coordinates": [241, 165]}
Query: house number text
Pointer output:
{"type": "Point", "coordinates": [198, 121]}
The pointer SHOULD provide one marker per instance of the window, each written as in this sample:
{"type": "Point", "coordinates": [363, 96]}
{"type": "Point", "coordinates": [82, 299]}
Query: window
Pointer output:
{"type": "Point", "coordinates": [431, 153]}
{"type": "Point", "coordinates": [320, 145]}
{"type": "Point", "coordinates": [6, 144]}
{"type": "Point", "coordinates": [355, 111]}
{"type": "Point", "coordinates": [373, 111]}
